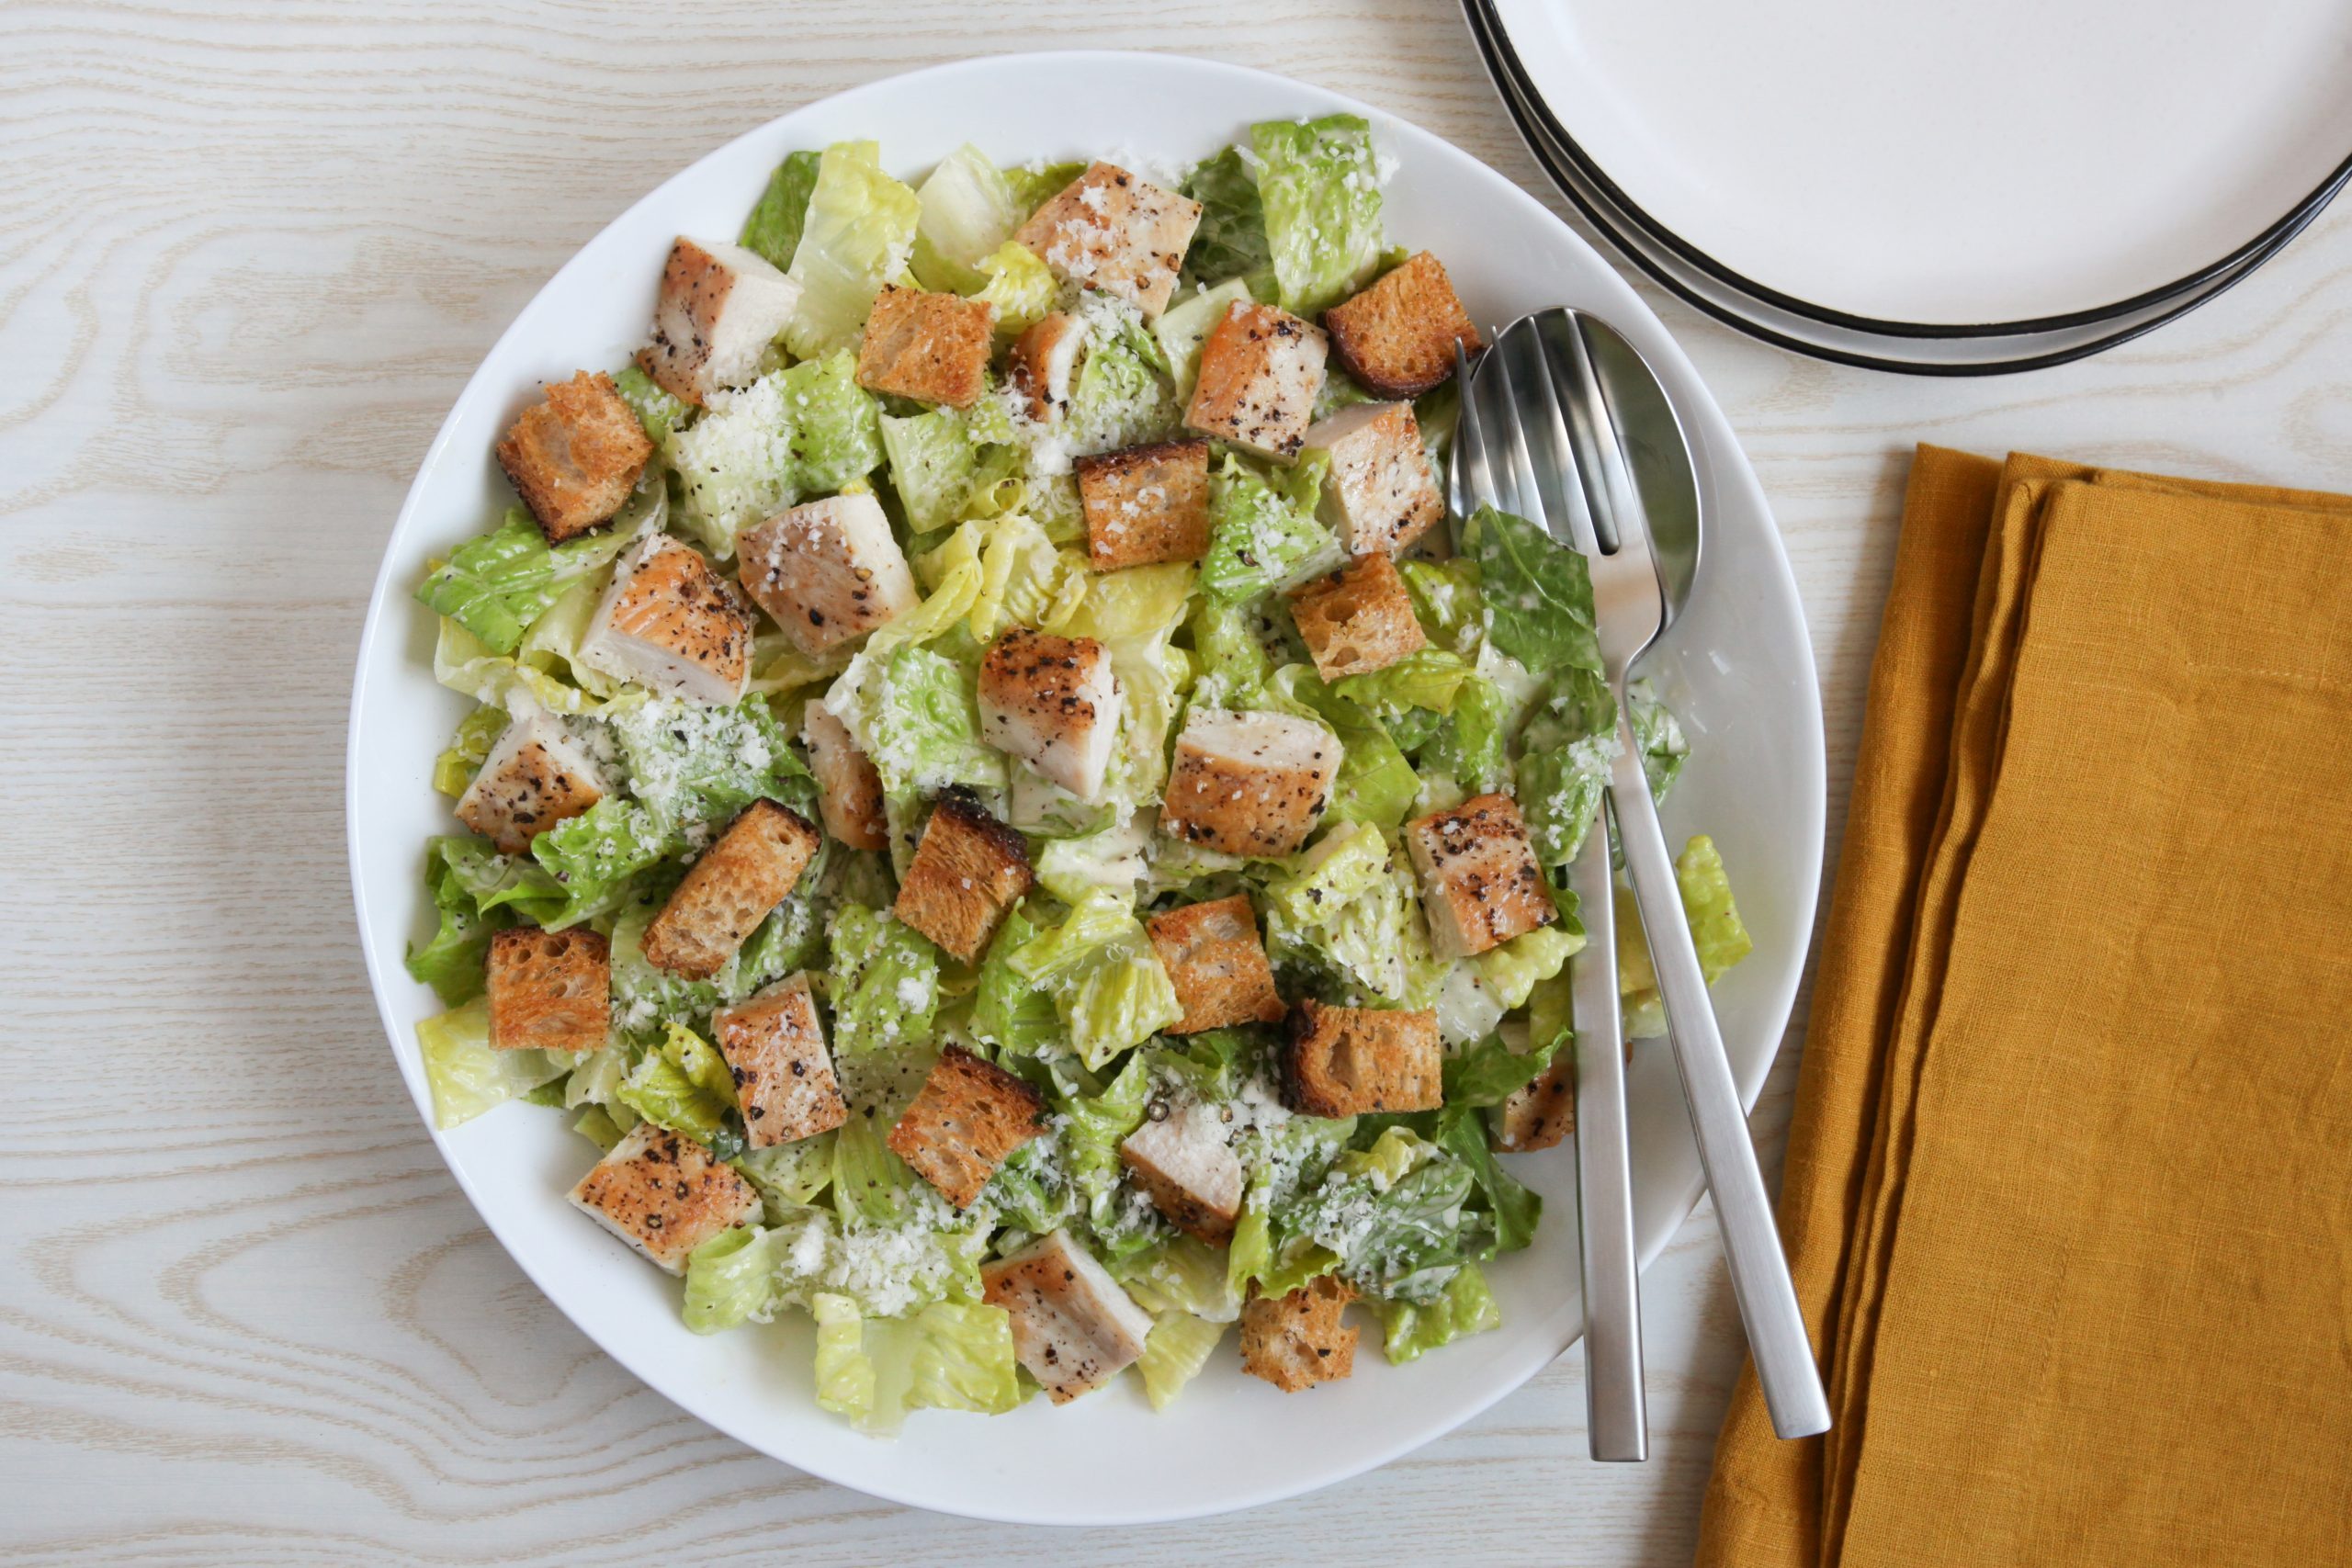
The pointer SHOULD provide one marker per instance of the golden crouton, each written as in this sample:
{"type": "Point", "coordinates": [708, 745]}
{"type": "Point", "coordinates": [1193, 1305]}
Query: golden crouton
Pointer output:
{"type": "Point", "coordinates": [1146, 505]}
{"type": "Point", "coordinates": [1248, 782]}
{"type": "Point", "coordinates": [549, 990]}
{"type": "Point", "coordinates": [1213, 953]}
{"type": "Point", "coordinates": [731, 890]}
{"type": "Point", "coordinates": [1357, 619]}
{"type": "Point", "coordinates": [1110, 231]}
{"type": "Point", "coordinates": [1040, 363]}
{"type": "Point", "coordinates": [1381, 494]}
{"type": "Point", "coordinates": [575, 457]}
{"type": "Point", "coordinates": [1181, 1160]}
{"type": "Point", "coordinates": [1261, 370]}
{"type": "Point", "coordinates": [1397, 336]}
{"type": "Point", "coordinates": [1480, 885]}
{"type": "Point", "coordinates": [664, 1195]}
{"type": "Point", "coordinates": [849, 789]}
{"type": "Point", "coordinates": [1296, 1341]}
{"type": "Point", "coordinates": [969, 1116]}
{"type": "Point", "coordinates": [774, 1044]}
{"type": "Point", "coordinates": [1349, 1060]}
{"type": "Point", "coordinates": [968, 869]}
{"type": "Point", "coordinates": [932, 347]}
{"type": "Point", "coordinates": [1540, 1112]}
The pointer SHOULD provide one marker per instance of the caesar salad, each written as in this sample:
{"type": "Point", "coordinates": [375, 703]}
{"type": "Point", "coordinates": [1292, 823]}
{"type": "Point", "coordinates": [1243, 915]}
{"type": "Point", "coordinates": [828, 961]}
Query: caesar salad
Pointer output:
{"type": "Point", "coordinates": [1000, 804]}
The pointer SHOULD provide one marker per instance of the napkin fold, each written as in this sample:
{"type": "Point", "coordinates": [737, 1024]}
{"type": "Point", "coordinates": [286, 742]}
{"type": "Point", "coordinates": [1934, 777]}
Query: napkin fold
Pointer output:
{"type": "Point", "coordinates": [2068, 1198]}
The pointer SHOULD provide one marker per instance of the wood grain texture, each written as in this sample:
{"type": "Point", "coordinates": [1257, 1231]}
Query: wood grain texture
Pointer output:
{"type": "Point", "coordinates": [250, 255]}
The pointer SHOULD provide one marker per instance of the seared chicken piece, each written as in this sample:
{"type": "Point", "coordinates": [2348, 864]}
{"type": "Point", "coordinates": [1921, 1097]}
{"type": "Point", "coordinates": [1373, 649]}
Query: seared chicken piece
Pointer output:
{"type": "Point", "coordinates": [1261, 370]}
{"type": "Point", "coordinates": [535, 777]}
{"type": "Point", "coordinates": [664, 1195]}
{"type": "Point", "coordinates": [1043, 357]}
{"type": "Point", "coordinates": [1052, 702]}
{"type": "Point", "coordinates": [671, 623]}
{"type": "Point", "coordinates": [849, 792]}
{"type": "Point", "coordinates": [1249, 784]}
{"type": "Point", "coordinates": [1181, 1160]}
{"type": "Point", "coordinates": [720, 307]}
{"type": "Point", "coordinates": [828, 572]}
{"type": "Point", "coordinates": [1381, 494]}
{"type": "Point", "coordinates": [1111, 230]}
{"type": "Point", "coordinates": [1073, 1328]}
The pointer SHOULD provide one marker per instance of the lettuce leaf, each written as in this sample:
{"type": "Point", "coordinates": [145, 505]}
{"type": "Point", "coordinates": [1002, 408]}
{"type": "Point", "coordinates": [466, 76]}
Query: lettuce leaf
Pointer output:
{"type": "Point", "coordinates": [884, 980]}
{"type": "Point", "coordinates": [1349, 905]}
{"type": "Point", "coordinates": [1320, 184]}
{"type": "Point", "coordinates": [1008, 1011]}
{"type": "Point", "coordinates": [1231, 238]}
{"type": "Point", "coordinates": [1466, 1305]}
{"type": "Point", "coordinates": [1178, 1346]}
{"type": "Point", "coordinates": [453, 961]}
{"type": "Point", "coordinates": [1375, 783]}
{"type": "Point", "coordinates": [947, 1356]}
{"type": "Point", "coordinates": [966, 209]}
{"type": "Point", "coordinates": [1090, 1149]}
{"type": "Point", "coordinates": [859, 230]}
{"type": "Point", "coordinates": [1107, 980]}
{"type": "Point", "coordinates": [1263, 532]}
{"type": "Point", "coordinates": [807, 430]}
{"type": "Point", "coordinates": [1020, 286]}
{"type": "Point", "coordinates": [1716, 926]}
{"type": "Point", "coordinates": [496, 585]}
{"type": "Point", "coordinates": [775, 227]}
{"type": "Point", "coordinates": [1123, 396]}
{"type": "Point", "coordinates": [1536, 593]}
{"type": "Point", "coordinates": [659, 412]}
{"type": "Point", "coordinates": [1655, 731]}
{"type": "Point", "coordinates": [466, 1075]}
{"type": "Point", "coordinates": [685, 1086]}
{"type": "Point", "coordinates": [1185, 326]}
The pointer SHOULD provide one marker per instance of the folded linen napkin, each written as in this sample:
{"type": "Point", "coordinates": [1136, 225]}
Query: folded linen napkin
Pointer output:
{"type": "Point", "coordinates": [2069, 1188]}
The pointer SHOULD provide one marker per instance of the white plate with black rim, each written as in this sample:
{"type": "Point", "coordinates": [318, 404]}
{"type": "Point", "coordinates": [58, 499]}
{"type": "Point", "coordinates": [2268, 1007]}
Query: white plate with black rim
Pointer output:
{"type": "Point", "coordinates": [1942, 192]}
{"type": "Point", "coordinates": [1738, 667]}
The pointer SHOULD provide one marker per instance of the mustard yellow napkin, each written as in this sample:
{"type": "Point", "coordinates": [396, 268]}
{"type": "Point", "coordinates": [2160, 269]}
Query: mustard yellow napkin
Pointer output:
{"type": "Point", "coordinates": [2069, 1189]}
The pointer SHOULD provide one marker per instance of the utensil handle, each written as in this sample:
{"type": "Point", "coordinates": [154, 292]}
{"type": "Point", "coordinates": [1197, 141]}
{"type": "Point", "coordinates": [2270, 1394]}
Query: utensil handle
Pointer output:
{"type": "Point", "coordinates": [1759, 1271]}
{"type": "Point", "coordinates": [1616, 1419]}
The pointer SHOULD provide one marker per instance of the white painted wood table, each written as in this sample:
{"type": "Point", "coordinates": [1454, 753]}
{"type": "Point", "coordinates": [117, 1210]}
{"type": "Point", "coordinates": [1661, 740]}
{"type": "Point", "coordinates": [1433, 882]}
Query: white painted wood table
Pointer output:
{"type": "Point", "coordinates": [248, 255]}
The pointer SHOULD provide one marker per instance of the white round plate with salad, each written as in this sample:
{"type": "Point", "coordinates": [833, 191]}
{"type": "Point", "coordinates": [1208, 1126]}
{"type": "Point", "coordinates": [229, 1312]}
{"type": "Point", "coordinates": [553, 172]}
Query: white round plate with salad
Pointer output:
{"type": "Point", "coordinates": [964, 865]}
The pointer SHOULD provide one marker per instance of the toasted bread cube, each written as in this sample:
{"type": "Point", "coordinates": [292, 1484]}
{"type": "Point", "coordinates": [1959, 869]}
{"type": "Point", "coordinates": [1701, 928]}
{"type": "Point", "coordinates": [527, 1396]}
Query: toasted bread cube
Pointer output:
{"type": "Point", "coordinates": [575, 456]}
{"type": "Point", "coordinates": [1073, 1328]}
{"type": "Point", "coordinates": [1181, 1161]}
{"type": "Point", "coordinates": [1381, 494]}
{"type": "Point", "coordinates": [1298, 1341]}
{"type": "Point", "coordinates": [1041, 362]}
{"type": "Point", "coordinates": [1249, 784]}
{"type": "Point", "coordinates": [969, 870]}
{"type": "Point", "coordinates": [549, 990]}
{"type": "Point", "coordinates": [720, 307]}
{"type": "Point", "coordinates": [1052, 702]}
{"type": "Point", "coordinates": [670, 622]}
{"type": "Point", "coordinates": [1540, 1112]}
{"type": "Point", "coordinates": [932, 347]}
{"type": "Point", "coordinates": [1480, 885]}
{"type": "Point", "coordinates": [1357, 619]}
{"type": "Point", "coordinates": [1261, 370]}
{"type": "Point", "coordinates": [828, 572]}
{"type": "Point", "coordinates": [1214, 955]}
{"type": "Point", "coordinates": [775, 1045]}
{"type": "Point", "coordinates": [1146, 505]}
{"type": "Point", "coordinates": [1351, 1061]}
{"type": "Point", "coordinates": [536, 776]}
{"type": "Point", "coordinates": [1110, 231]}
{"type": "Point", "coordinates": [969, 1116]}
{"type": "Point", "coordinates": [1397, 336]}
{"type": "Point", "coordinates": [849, 790]}
{"type": "Point", "coordinates": [731, 890]}
{"type": "Point", "coordinates": [664, 1195]}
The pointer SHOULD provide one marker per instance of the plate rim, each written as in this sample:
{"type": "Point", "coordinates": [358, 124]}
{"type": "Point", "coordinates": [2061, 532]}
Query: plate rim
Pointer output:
{"type": "Point", "coordinates": [386, 599]}
{"type": "Point", "coordinates": [2249, 255]}
{"type": "Point", "coordinates": [1520, 104]}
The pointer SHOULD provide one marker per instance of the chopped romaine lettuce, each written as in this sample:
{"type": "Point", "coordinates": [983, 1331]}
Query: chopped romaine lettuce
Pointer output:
{"type": "Point", "coordinates": [1019, 286]}
{"type": "Point", "coordinates": [1536, 593]}
{"type": "Point", "coordinates": [803, 431]}
{"type": "Point", "coordinates": [495, 586]}
{"type": "Point", "coordinates": [684, 1086]}
{"type": "Point", "coordinates": [1466, 1305]}
{"type": "Point", "coordinates": [1319, 184]}
{"type": "Point", "coordinates": [884, 980]}
{"type": "Point", "coordinates": [1173, 1353]}
{"type": "Point", "coordinates": [1349, 906]}
{"type": "Point", "coordinates": [660, 412]}
{"type": "Point", "coordinates": [1123, 396]}
{"type": "Point", "coordinates": [467, 1076]}
{"type": "Point", "coordinates": [1263, 530]}
{"type": "Point", "coordinates": [1185, 325]}
{"type": "Point", "coordinates": [949, 1356]}
{"type": "Point", "coordinates": [1231, 238]}
{"type": "Point", "coordinates": [967, 210]}
{"type": "Point", "coordinates": [859, 230]}
{"type": "Point", "coordinates": [773, 228]}
{"type": "Point", "coordinates": [1107, 980]}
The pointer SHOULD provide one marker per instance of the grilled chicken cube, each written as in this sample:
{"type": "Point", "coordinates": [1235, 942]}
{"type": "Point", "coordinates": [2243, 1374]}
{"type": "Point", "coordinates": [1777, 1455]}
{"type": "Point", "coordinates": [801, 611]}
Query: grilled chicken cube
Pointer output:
{"type": "Point", "coordinates": [664, 1195]}
{"type": "Point", "coordinates": [1073, 1328]}
{"type": "Point", "coordinates": [849, 790]}
{"type": "Point", "coordinates": [968, 869]}
{"type": "Point", "coordinates": [1052, 702]}
{"type": "Point", "coordinates": [1381, 494]}
{"type": "Point", "coordinates": [731, 890]}
{"type": "Point", "coordinates": [1298, 1341]}
{"type": "Point", "coordinates": [1181, 1161]}
{"type": "Point", "coordinates": [1357, 619]}
{"type": "Point", "coordinates": [775, 1045]}
{"type": "Point", "coordinates": [670, 622]}
{"type": "Point", "coordinates": [1480, 885]}
{"type": "Point", "coordinates": [1397, 336]}
{"type": "Point", "coordinates": [969, 1116]}
{"type": "Point", "coordinates": [549, 990]}
{"type": "Point", "coordinates": [1261, 370]}
{"type": "Point", "coordinates": [720, 307]}
{"type": "Point", "coordinates": [1043, 357]}
{"type": "Point", "coordinates": [1111, 230]}
{"type": "Point", "coordinates": [1354, 1061]}
{"type": "Point", "coordinates": [828, 572]}
{"type": "Point", "coordinates": [1540, 1112]}
{"type": "Point", "coordinates": [1146, 505]}
{"type": "Point", "coordinates": [1249, 784]}
{"type": "Point", "coordinates": [1214, 955]}
{"type": "Point", "coordinates": [536, 776]}
{"type": "Point", "coordinates": [575, 456]}
{"type": "Point", "coordinates": [932, 347]}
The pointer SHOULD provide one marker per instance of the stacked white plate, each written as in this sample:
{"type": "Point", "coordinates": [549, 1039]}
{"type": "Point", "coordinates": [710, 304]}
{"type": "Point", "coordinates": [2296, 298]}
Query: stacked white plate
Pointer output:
{"type": "Point", "coordinates": [1936, 190]}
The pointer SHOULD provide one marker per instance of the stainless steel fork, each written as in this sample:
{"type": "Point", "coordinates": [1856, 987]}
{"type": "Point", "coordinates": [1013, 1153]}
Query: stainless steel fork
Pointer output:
{"type": "Point", "coordinates": [1616, 1419]}
{"type": "Point", "coordinates": [1558, 439]}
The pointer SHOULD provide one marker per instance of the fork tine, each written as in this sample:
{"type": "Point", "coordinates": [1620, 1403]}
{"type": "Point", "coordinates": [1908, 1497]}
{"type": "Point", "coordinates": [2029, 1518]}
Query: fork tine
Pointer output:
{"type": "Point", "coordinates": [1559, 476]}
{"type": "Point", "coordinates": [1519, 466]}
{"type": "Point", "coordinates": [1618, 512]}
{"type": "Point", "coordinates": [1471, 479]}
